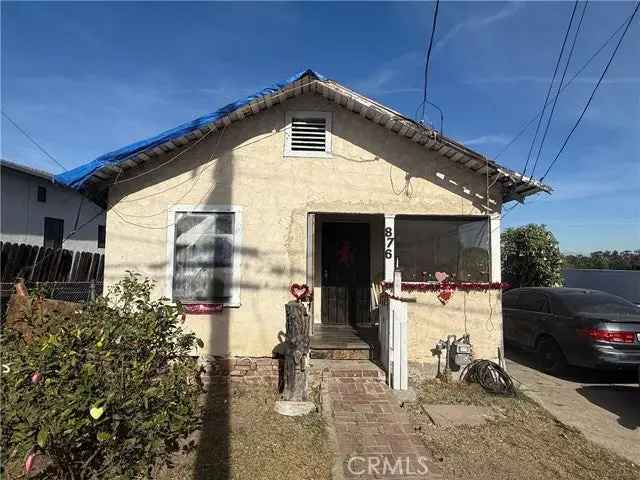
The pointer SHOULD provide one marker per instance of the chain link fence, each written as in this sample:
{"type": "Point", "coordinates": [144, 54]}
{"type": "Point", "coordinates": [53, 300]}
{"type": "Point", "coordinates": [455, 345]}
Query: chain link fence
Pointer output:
{"type": "Point", "coordinates": [67, 291]}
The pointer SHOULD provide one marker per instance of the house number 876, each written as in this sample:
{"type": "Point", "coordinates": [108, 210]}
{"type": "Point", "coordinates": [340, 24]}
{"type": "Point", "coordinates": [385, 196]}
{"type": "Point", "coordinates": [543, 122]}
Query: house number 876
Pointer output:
{"type": "Point", "coordinates": [388, 233]}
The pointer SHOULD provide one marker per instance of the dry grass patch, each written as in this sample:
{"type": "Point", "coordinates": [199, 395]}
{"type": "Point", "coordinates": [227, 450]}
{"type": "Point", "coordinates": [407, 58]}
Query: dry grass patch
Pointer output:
{"type": "Point", "coordinates": [525, 441]}
{"type": "Point", "coordinates": [243, 438]}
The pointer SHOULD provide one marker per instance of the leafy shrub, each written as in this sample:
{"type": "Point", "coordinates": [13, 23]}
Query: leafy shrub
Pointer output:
{"type": "Point", "coordinates": [531, 257]}
{"type": "Point", "coordinates": [107, 395]}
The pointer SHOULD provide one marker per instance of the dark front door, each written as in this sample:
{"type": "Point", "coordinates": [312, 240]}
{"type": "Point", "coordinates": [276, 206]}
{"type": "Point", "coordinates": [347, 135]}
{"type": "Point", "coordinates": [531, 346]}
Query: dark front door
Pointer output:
{"type": "Point", "coordinates": [346, 277]}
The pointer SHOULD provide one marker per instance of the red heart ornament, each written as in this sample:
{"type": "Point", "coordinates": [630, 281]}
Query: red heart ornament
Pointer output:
{"type": "Point", "coordinates": [444, 296]}
{"type": "Point", "coordinates": [299, 291]}
{"type": "Point", "coordinates": [441, 276]}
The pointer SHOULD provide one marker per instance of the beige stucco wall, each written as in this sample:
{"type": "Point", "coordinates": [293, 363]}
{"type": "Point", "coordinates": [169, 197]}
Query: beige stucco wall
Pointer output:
{"type": "Point", "coordinates": [477, 313]}
{"type": "Point", "coordinates": [244, 166]}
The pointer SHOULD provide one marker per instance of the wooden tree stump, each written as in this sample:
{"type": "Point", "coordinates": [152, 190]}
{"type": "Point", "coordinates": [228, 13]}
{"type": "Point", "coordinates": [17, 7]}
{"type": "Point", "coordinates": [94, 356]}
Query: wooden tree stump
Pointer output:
{"type": "Point", "coordinates": [296, 353]}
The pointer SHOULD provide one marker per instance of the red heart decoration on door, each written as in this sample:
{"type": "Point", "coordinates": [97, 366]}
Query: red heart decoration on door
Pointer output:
{"type": "Point", "coordinates": [299, 291]}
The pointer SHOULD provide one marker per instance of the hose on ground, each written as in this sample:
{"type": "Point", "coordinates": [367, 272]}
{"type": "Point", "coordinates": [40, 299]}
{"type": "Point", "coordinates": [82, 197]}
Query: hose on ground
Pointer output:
{"type": "Point", "coordinates": [490, 376]}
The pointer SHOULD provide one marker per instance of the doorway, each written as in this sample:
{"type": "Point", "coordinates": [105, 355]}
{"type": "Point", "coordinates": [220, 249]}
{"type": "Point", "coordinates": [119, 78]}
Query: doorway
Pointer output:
{"type": "Point", "coordinates": [345, 273]}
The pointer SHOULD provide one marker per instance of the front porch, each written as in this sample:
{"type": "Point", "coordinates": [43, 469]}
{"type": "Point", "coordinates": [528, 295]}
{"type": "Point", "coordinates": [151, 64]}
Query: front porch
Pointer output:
{"type": "Point", "coordinates": [350, 258]}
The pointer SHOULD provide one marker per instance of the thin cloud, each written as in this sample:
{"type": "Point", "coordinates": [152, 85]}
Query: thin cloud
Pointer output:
{"type": "Point", "coordinates": [499, 139]}
{"type": "Point", "coordinates": [479, 22]}
{"type": "Point", "coordinates": [389, 77]}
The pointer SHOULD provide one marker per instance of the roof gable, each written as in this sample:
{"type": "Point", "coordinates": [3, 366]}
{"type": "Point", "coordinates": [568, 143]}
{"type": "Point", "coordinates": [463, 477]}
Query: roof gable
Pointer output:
{"type": "Point", "coordinates": [97, 173]}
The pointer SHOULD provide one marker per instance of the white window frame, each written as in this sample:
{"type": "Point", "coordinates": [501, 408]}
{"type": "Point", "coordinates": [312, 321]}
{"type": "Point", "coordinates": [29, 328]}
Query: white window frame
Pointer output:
{"type": "Point", "coordinates": [289, 116]}
{"type": "Point", "coordinates": [234, 301]}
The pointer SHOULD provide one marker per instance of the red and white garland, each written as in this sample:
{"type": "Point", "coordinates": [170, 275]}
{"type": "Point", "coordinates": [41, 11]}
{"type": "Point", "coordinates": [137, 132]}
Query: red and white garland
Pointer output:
{"type": "Point", "coordinates": [438, 286]}
{"type": "Point", "coordinates": [446, 288]}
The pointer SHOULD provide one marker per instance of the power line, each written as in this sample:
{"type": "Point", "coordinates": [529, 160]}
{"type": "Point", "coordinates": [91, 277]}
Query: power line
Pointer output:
{"type": "Point", "coordinates": [32, 140]}
{"type": "Point", "coordinates": [426, 66]}
{"type": "Point", "coordinates": [555, 100]}
{"type": "Point", "coordinates": [439, 111]}
{"type": "Point", "coordinates": [553, 78]}
{"type": "Point", "coordinates": [526, 126]}
{"type": "Point", "coordinates": [593, 93]}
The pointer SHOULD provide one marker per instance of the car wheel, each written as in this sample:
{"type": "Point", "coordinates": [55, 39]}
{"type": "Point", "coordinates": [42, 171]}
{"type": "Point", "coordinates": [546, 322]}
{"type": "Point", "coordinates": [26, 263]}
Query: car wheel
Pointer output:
{"type": "Point", "coordinates": [550, 356]}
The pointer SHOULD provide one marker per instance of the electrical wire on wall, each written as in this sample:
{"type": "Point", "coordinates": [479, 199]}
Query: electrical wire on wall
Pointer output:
{"type": "Point", "coordinates": [285, 91]}
{"type": "Point", "coordinates": [213, 161]}
{"type": "Point", "coordinates": [407, 189]}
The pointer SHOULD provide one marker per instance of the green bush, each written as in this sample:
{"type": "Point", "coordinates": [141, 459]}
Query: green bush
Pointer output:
{"type": "Point", "coordinates": [109, 395]}
{"type": "Point", "coordinates": [531, 257]}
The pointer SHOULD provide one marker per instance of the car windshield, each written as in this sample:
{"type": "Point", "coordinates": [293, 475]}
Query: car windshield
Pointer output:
{"type": "Point", "coordinates": [599, 303]}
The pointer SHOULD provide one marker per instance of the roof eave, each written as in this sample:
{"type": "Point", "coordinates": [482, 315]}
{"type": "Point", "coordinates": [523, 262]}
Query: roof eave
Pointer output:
{"type": "Point", "coordinates": [514, 185]}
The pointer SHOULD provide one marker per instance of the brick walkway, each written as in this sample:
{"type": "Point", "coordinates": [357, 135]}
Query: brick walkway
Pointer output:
{"type": "Point", "coordinates": [373, 436]}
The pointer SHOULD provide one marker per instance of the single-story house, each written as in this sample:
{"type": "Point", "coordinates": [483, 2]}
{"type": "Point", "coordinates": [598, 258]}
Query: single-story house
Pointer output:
{"type": "Point", "coordinates": [309, 182]}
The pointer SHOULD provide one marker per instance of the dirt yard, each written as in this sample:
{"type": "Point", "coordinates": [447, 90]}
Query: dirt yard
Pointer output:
{"type": "Point", "coordinates": [524, 441]}
{"type": "Point", "coordinates": [246, 439]}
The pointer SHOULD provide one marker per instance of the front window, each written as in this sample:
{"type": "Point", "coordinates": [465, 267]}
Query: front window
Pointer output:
{"type": "Point", "coordinates": [456, 246]}
{"type": "Point", "coordinates": [206, 256]}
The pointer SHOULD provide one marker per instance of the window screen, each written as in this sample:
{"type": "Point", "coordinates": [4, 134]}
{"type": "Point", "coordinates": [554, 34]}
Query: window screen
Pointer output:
{"type": "Point", "coordinates": [458, 247]}
{"type": "Point", "coordinates": [203, 256]}
{"type": "Point", "coordinates": [53, 232]}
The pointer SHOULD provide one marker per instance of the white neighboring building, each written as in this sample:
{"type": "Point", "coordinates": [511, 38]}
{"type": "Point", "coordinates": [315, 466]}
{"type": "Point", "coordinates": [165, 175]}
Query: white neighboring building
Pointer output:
{"type": "Point", "coordinates": [36, 211]}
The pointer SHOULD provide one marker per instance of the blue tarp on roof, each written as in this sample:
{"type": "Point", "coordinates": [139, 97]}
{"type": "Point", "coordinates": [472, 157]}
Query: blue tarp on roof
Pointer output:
{"type": "Point", "coordinates": [77, 177]}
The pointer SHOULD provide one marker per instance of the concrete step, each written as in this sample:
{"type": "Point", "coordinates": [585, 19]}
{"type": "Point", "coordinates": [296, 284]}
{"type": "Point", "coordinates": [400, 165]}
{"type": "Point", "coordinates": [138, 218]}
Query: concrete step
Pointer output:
{"type": "Point", "coordinates": [347, 369]}
{"type": "Point", "coordinates": [354, 353]}
{"type": "Point", "coordinates": [343, 342]}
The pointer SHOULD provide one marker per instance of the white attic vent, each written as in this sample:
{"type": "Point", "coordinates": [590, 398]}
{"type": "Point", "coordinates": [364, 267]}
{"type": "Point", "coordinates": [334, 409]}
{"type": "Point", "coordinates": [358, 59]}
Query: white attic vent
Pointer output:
{"type": "Point", "coordinates": [308, 134]}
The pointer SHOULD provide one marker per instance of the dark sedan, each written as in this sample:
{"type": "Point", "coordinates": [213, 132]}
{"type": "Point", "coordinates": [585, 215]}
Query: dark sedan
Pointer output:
{"type": "Point", "coordinates": [586, 328]}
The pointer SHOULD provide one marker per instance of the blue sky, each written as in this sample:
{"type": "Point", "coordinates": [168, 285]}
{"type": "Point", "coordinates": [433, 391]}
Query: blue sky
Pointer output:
{"type": "Point", "coordinates": [86, 78]}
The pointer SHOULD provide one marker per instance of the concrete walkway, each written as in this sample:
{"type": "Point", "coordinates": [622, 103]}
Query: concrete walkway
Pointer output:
{"type": "Point", "coordinates": [604, 407]}
{"type": "Point", "coordinates": [372, 433]}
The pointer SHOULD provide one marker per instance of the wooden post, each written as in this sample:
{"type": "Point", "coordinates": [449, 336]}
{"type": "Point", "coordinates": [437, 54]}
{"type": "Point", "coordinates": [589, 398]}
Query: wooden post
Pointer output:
{"type": "Point", "coordinates": [296, 353]}
{"type": "Point", "coordinates": [21, 290]}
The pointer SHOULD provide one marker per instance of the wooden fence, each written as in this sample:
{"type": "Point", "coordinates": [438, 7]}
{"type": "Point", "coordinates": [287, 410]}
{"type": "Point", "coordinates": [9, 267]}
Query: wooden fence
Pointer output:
{"type": "Point", "coordinates": [39, 264]}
